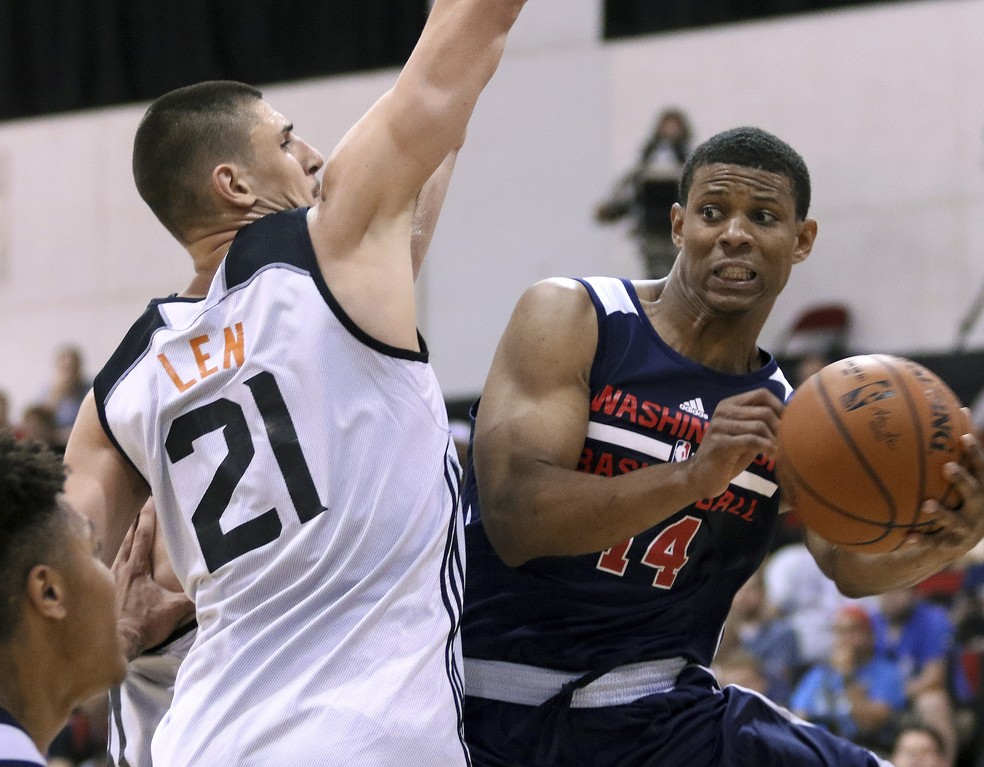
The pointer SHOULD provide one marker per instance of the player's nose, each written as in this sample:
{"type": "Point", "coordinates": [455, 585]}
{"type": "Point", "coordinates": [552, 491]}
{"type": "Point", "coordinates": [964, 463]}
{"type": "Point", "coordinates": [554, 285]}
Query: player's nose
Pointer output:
{"type": "Point", "coordinates": [735, 231]}
{"type": "Point", "coordinates": [313, 159]}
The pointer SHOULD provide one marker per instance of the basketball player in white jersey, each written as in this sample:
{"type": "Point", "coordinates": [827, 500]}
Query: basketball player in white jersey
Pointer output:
{"type": "Point", "coordinates": [155, 622]}
{"type": "Point", "coordinates": [286, 420]}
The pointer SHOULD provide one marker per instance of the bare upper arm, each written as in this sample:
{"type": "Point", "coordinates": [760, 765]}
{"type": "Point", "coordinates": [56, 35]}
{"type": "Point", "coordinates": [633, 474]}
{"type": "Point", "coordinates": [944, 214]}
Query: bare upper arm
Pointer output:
{"type": "Point", "coordinates": [534, 406]}
{"type": "Point", "coordinates": [100, 483]}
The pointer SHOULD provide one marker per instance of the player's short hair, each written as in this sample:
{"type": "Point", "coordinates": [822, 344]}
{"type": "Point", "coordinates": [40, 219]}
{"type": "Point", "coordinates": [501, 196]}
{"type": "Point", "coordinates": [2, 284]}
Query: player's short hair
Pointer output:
{"type": "Point", "coordinates": [33, 520]}
{"type": "Point", "coordinates": [751, 148]}
{"type": "Point", "coordinates": [182, 137]}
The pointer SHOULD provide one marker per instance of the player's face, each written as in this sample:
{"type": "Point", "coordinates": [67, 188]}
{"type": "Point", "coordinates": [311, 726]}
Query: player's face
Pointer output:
{"type": "Point", "coordinates": [739, 237]}
{"type": "Point", "coordinates": [98, 657]}
{"type": "Point", "coordinates": [283, 171]}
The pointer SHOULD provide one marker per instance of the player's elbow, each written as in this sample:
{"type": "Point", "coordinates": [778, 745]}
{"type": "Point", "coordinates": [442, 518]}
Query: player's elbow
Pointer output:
{"type": "Point", "coordinates": [506, 538]}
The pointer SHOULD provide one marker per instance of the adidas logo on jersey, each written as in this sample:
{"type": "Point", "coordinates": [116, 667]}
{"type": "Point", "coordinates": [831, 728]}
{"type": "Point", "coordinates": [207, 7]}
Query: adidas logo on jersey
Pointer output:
{"type": "Point", "coordinates": [694, 407]}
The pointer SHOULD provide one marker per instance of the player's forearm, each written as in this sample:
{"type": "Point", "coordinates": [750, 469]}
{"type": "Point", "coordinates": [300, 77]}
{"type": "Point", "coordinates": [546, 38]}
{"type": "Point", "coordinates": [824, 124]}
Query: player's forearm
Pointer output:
{"type": "Point", "coordinates": [552, 511]}
{"type": "Point", "coordinates": [858, 574]}
{"type": "Point", "coordinates": [457, 54]}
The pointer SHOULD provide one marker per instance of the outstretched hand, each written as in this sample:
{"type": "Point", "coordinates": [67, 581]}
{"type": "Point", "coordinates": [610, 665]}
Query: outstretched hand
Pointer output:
{"type": "Point", "coordinates": [148, 612]}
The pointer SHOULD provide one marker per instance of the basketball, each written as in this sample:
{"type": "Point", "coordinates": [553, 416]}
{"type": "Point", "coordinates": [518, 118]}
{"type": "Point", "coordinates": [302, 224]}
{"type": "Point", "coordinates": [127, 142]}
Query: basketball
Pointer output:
{"type": "Point", "coordinates": [862, 444]}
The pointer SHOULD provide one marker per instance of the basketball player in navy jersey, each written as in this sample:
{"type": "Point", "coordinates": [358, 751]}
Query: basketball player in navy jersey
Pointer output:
{"type": "Point", "coordinates": [623, 491]}
{"type": "Point", "coordinates": [59, 643]}
{"type": "Point", "coordinates": [284, 416]}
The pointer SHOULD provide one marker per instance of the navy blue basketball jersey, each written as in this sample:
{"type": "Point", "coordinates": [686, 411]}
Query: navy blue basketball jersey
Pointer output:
{"type": "Point", "coordinates": [667, 591]}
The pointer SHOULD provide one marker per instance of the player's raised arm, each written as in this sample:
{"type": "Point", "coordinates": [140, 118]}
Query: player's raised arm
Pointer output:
{"type": "Point", "coordinates": [361, 228]}
{"type": "Point", "coordinates": [427, 210]}
{"type": "Point", "coordinates": [387, 156]}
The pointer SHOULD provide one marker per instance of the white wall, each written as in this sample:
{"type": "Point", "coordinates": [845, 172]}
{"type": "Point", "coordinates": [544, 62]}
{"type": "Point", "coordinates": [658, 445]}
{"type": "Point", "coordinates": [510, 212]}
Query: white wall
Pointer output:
{"type": "Point", "coordinates": [884, 103]}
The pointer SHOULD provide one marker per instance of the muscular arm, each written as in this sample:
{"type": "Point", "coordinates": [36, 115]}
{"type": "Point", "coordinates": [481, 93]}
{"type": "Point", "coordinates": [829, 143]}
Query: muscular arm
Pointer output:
{"type": "Point", "coordinates": [531, 428]}
{"type": "Point", "coordinates": [361, 228]}
{"type": "Point", "coordinates": [427, 210]}
{"type": "Point", "coordinates": [858, 574]}
{"type": "Point", "coordinates": [100, 483]}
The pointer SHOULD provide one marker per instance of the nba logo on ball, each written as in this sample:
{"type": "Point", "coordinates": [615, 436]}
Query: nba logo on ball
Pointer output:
{"type": "Point", "coordinates": [862, 444]}
{"type": "Point", "coordinates": [867, 394]}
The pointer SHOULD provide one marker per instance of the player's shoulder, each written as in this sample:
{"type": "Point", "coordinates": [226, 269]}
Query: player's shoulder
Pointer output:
{"type": "Point", "coordinates": [556, 305]}
{"type": "Point", "coordinates": [278, 238]}
{"type": "Point", "coordinates": [136, 342]}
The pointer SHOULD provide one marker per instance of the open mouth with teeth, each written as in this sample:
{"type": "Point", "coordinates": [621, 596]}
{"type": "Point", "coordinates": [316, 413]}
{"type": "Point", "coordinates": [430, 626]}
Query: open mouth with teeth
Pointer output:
{"type": "Point", "coordinates": [735, 273]}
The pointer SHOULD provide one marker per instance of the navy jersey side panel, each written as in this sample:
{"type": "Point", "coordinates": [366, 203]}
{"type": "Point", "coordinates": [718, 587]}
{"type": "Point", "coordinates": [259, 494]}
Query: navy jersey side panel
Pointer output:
{"type": "Point", "coordinates": [667, 591]}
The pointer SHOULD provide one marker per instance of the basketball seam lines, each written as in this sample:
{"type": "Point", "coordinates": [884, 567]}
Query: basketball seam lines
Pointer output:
{"type": "Point", "coordinates": [869, 469]}
{"type": "Point", "coordinates": [917, 424]}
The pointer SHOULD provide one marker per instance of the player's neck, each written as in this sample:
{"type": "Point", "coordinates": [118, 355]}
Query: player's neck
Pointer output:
{"type": "Point", "coordinates": [207, 253]}
{"type": "Point", "coordinates": [718, 343]}
{"type": "Point", "coordinates": [35, 706]}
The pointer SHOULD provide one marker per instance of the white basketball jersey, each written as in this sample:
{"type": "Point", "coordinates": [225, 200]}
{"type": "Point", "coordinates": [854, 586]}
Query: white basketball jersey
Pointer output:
{"type": "Point", "coordinates": [307, 486]}
{"type": "Point", "coordinates": [139, 704]}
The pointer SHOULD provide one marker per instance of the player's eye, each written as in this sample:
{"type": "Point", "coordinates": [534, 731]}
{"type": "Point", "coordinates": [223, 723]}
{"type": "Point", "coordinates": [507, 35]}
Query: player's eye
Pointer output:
{"type": "Point", "coordinates": [765, 217]}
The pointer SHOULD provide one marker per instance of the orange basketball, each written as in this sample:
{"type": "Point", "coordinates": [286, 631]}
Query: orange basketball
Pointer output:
{"type": "Point", "coordinates": [862, 444]}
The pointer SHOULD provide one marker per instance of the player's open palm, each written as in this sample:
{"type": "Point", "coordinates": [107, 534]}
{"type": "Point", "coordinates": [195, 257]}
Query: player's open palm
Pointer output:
{"type": "Point", "coordinates": [742, 427]}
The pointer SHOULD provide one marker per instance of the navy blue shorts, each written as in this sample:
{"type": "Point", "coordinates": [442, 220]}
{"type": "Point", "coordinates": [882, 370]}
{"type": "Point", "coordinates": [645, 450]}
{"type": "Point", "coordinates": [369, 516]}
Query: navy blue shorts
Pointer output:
{"type": "Point", "coordinates": [695, 725]}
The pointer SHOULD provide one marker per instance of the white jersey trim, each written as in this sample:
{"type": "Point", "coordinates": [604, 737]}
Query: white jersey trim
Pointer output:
{"type": "Point", "coordinates": [662, 451]}
{"type": "Point", "coordinates": [16, 745]}
{"type": "Point", "coordinates": [612, 294]}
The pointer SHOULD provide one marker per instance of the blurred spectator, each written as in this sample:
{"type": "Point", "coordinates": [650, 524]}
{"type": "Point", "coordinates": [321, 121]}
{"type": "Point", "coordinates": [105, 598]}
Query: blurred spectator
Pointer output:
{"type": "Point", "coordinates": [4, 411]}
{"type": "Point", "coordinates": [755, 627]}
{"type": "Point", "coordinates": [801, 593]}
{"type": "Point", "coordinates": [647, 192]}
{"type": "Point", "coordinates": [918, 635]}
{"type": "Point", "coordinates": [38, 423]}
{"type": "Point", "coordinates": [917, 745]}
{"type": "Point", "coordinates": [740, 667]}
{"type": "Point", "coordinates": [67, 389]}
{"type": "Point", "coordinates": [854, 693]}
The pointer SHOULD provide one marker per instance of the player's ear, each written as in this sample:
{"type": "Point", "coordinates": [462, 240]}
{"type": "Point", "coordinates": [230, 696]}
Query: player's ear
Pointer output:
{"type": "Point", "coordinates": [677, 214]}
{"type": "Point", "coordinates": [806, 235]}
{"type": "Point", "coordinates": [230, 185]}
{"type": "Point", "coordinates": [45, 589]}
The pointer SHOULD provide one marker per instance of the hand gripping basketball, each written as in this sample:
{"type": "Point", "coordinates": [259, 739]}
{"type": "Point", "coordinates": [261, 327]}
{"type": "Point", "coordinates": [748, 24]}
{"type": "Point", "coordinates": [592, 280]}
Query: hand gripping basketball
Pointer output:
{"type": "Point", "coordinates": [862, 445]}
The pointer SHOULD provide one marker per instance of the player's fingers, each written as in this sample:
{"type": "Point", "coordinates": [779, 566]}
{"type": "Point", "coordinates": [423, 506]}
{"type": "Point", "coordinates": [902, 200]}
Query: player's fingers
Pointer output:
{"type": "Point", "coordinates": [973, 452]}
{"type": "Point", "coordinates": [124, 551]}
{"type": "Point", "coordinates": [143, 535]}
